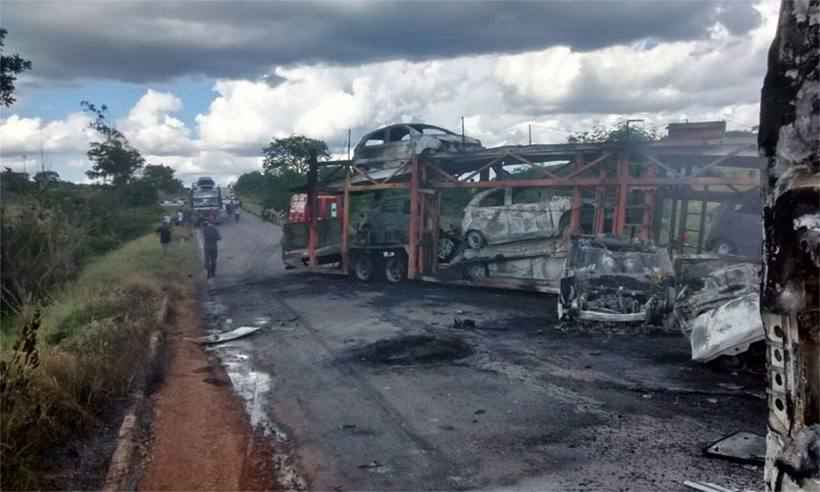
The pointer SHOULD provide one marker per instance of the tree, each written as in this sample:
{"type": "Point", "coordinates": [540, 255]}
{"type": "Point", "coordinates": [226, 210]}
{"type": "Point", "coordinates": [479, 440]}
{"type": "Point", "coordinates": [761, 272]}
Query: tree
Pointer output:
{"type": "Point", "coordinates": [622, 132]}
{"type": "Point", "coordinates": [271, 190]}
{"type": "Point", "coordinates": [14, 181]}
{"type": "Point", "coordinates": [44, 178]}
{"type": "Point", "coordinates": [789, 138]}
{"type": "Point", "coordinates": [113, 157]}
{"type": "Point", "coordinates": [162, 178]}
{"type": "Point", "coordinates": [292, 153]}
{"type": "Point", "coordinates": [10, 67]}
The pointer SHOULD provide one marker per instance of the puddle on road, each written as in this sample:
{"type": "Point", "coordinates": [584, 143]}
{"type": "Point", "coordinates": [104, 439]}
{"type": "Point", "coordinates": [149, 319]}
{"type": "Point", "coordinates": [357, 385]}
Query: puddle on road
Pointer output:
{"type": "Point", "coordinates": [413, 349]}
{"type": "Point", "coordinates": [251, 385]}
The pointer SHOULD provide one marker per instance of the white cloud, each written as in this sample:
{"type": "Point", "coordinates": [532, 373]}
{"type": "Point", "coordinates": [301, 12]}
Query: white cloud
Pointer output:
{"type": "Point", "coordinates": [150, 127]}
{"type": "Point", "coordinates": [20, 135]}
{"type": "Point", "coordinates": [556, 90]}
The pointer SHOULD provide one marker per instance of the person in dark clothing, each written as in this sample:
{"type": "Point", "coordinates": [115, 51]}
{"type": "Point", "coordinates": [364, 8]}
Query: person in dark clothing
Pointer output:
{"type": "Point", "coordinates": [164, 231]}
{"type": "Point", "coordinates": [210, 238]}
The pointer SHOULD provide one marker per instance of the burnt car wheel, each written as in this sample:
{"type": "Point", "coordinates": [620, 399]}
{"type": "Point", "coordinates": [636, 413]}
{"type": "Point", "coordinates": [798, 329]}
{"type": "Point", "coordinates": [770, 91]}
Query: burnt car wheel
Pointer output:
{"type": "Point", "coordinates": [395, 268]}
{"type": "Point", "coordinates": [475, 240]}
{"type": "Point", "coordinates": [363, 267]}
{"type": "Point", "coordinates": [446, 249]}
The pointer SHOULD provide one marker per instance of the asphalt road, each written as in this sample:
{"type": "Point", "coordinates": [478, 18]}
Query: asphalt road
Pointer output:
{"type": "Point", "coordinates": [513, 402]}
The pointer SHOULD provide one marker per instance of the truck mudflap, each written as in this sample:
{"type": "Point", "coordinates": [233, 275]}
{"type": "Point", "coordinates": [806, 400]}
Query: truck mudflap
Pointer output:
{"type": "Point", "coordinates": [729, 329]}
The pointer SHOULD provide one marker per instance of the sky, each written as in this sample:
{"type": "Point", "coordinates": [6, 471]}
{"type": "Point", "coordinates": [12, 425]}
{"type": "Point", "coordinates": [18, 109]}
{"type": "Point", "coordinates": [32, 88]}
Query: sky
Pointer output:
{"type": "Point", "coordinates": [204, 85]}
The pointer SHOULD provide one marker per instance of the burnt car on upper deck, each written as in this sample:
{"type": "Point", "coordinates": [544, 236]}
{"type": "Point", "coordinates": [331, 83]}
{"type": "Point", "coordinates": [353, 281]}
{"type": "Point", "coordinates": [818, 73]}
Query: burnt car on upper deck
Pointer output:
{"type": "Point", "coordinates": [394, 145]}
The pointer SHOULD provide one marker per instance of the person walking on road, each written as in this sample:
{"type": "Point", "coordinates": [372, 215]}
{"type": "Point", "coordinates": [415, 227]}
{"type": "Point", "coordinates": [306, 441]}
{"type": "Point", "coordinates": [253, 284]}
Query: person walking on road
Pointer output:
{"type": "Point", "coordinates": [164, 231]}
{"type": "Point", "coordinates": [210, 239]}
{"type": "Point", "coordinates": [236, 212]}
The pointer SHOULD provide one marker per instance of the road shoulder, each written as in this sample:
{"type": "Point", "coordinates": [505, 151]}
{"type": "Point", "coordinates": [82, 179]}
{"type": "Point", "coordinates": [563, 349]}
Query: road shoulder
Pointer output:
{"type": "Point", "coordinates": [202, 439]}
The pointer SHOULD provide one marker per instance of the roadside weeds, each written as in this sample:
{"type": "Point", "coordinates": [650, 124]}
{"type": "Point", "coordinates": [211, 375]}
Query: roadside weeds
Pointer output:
{"type": "Point", "coordinates": [81, 355]}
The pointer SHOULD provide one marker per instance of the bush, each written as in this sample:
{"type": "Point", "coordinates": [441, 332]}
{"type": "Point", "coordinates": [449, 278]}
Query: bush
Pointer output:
{"type": "Point", "coordinates": [74, 358]}
{"type": "Point", "coordinates": [49, 236]}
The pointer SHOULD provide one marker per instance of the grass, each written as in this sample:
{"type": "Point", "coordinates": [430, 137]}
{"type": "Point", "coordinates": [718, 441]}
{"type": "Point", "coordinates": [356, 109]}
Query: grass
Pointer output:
{"type": "Point", "coordinates": [65, 368]}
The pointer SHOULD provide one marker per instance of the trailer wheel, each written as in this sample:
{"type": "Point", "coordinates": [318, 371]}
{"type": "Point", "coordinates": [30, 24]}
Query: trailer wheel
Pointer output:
{"type": "Point", "coordinates": [446, 249]}
{"type": "Point", "coordinates": [475, 239]}
{"type": "Point", "coordinates": [395, 268]}
{"type": "Point", "coordinates": [363, 267]}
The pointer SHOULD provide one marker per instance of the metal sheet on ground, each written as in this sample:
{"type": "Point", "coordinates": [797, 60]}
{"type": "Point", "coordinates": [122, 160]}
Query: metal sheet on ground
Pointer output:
{"type": "Point", "coordinates": [745, 447]}
{"type": "Point", "coordinates": [240, 332]}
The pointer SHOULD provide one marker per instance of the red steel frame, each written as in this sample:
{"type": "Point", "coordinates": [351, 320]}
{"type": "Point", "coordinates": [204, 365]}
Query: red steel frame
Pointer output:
{"type": "Point", "coordinates": [578, 180]}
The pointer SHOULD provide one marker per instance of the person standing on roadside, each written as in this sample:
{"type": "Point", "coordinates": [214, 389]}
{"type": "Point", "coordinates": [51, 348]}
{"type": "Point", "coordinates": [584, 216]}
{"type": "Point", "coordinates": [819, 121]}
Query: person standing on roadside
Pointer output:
{"type": "Point", "coordinates": [164, 231]}
{"type": "Point", "coordinates": [210, 240]}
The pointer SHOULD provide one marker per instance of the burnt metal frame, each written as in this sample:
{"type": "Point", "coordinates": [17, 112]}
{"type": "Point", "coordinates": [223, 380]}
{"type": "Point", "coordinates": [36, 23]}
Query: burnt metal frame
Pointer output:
{"type": "Point", "coordinates": [579, 175]}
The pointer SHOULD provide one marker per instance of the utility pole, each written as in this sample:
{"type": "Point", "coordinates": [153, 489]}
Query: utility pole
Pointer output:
{"type": "Point", "coordinates": [462, 131]}
{"type": "Point", "coordinates": [530, 127]}
{"type": "Point", "coordinates": [348, 143]}
{"type": "Point", "coordinates": [789, 139]}
{"type": "Point", "coordinates": [42, 155]}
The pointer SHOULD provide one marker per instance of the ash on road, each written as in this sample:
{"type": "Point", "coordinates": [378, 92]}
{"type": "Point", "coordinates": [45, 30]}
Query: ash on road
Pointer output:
{"type": "Point", "coordinates": [371, 387]}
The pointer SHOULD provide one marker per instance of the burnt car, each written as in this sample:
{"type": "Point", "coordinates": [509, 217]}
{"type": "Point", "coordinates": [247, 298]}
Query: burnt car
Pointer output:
{"type": "Point", "coordinates": [504, 215]}
{"type": "Point", "coordinates": [394, 145]}
{"type": "Point", "coordinates": [717, 306]}
{"type": "Point", "coordinates": [613, 280]}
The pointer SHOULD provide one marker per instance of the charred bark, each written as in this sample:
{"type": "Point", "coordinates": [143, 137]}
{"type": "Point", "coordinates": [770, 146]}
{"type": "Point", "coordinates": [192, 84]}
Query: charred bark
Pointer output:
{"type": "Point", "coordinates": [790, 300]}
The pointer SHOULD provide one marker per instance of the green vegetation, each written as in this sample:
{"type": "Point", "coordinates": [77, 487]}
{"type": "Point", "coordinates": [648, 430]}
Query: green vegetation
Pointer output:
{"type": "Point", "coordinates": [268, 190]}
{"type": "Point", "coordinates": [49, 234]}
{"type": "Point", "coordinates": [162, 178]}
{"type": "Point", "coordinates": [80, 353]}
{"type": "Point", "coordinates": [113, 157]}
{"type": "Point", "coordinates": [285, 167]}
{"type": "Point", "coordinates": [77, 313]}
{"type": "Point", "coordinates": [620, 133]}
{"type": "Point", "coordinates": [10, 67]}
{"type": "Point", "coordinates": [293, 154]}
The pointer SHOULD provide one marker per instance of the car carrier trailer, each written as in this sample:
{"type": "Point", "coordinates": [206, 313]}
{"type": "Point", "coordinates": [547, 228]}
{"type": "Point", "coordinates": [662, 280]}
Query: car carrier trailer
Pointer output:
{"type": "Point", "coordinates": [658, 192]}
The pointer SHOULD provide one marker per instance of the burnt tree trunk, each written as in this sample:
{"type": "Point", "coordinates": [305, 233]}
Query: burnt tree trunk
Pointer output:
{"type": "Point", "coordinates": [790, 300]}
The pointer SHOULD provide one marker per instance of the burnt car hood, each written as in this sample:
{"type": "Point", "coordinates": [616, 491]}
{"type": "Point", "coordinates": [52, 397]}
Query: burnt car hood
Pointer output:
{"type": "Point", "coordinates": [615, 281]}
{"type": "Point", "coordinates": [721, 316]}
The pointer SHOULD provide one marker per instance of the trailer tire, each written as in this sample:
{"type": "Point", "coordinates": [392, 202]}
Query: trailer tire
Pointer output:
{"type": "Point", "coordinates": [395, 268]}
{"type": "Point", "coordinates": [446, 248]}
{"type": "Point", "coordinates": [475, 240]}
{"type": "Point", "coordinates": [363, 267]}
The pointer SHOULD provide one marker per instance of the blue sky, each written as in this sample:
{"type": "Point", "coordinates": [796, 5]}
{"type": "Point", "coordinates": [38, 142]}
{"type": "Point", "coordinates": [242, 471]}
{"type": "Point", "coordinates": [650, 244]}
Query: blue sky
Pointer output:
{"type": "Point", "coordinates": [56, 102]}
